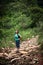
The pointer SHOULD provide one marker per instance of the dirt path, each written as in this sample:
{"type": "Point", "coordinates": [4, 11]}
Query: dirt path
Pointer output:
{"type": "Point", "coordinates": [28, 55]}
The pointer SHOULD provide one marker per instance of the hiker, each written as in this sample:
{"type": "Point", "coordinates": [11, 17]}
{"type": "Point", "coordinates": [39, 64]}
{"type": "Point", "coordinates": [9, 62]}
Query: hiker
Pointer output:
{"type": "Point", "coordinates": [17, 40]}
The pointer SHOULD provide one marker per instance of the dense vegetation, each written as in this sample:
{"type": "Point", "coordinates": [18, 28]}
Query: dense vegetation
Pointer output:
{"type": "Point", "coordinates": [25, 15]}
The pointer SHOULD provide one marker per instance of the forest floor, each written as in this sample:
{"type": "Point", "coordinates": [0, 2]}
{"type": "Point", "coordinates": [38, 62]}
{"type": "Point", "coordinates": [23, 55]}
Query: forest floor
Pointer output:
{"type": "Point", "coordinates": [29, 54]}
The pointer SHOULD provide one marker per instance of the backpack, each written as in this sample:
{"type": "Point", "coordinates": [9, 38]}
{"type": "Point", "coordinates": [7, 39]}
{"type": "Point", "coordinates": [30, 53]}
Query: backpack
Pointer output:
{"type": "Point", "coordinates": [18, 36]}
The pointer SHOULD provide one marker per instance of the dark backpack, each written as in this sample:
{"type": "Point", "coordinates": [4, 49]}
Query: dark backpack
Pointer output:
{"type": "Point", "coordinates": [18, 36]}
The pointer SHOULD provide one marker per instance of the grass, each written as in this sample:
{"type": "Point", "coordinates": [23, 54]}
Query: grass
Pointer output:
{"type": "Point", "coordinates": [27, 33]}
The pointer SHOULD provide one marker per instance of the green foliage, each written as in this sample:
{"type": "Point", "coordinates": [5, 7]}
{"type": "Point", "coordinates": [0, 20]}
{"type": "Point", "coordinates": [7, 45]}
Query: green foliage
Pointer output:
{"type": "Point", "coordinates": [36, 16]}
{"type": "Point", "coordinates": [25, 15]}
{"type": "Point", "coordinates": [4, 25]}
{"type": "Point", "coordinates": [27, 33]}
{"type": "Point", "coordinates": [23, 22]}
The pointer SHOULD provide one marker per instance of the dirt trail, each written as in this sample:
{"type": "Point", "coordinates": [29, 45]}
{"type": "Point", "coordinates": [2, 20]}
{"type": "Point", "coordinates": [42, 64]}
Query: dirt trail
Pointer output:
{"type": "Point", "coordinates": [29, 50]}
